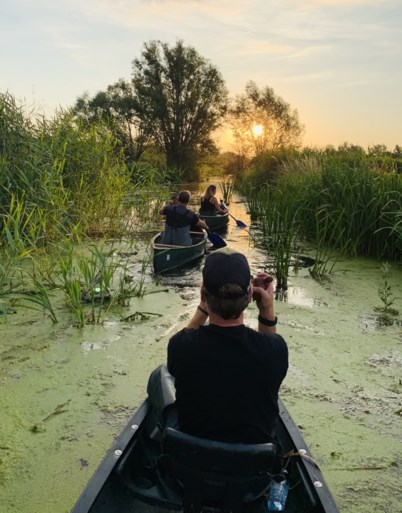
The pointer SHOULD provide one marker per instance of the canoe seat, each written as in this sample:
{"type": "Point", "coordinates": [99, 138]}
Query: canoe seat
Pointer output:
{"type": "Point", "coordinates": [220, 476]}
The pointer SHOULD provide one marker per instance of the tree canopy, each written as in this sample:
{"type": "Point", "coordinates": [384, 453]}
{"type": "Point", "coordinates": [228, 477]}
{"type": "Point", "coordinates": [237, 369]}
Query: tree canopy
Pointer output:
{"type": "Point", "coordinates": [182, 96]}
{"type": "Point", "coordinates": [116, 106]}
{"type": "Point", "coordinates": [260, 121]}
{"type": "Point", "coordinates": [176, 99]}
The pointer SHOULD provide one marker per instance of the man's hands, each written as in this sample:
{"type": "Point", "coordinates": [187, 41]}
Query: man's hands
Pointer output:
{"type": "Point", "coordinates": [263, 294]}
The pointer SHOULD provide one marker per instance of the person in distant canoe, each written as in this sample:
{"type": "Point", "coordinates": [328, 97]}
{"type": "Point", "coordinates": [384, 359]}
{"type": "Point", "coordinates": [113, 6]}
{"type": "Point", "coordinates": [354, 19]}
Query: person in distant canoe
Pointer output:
{"type": "Point", "coordinates": [178, 221]}
{"type": "Point", "coordinates": [174, 200]}
{"type": "Point", "coordinates": [209, 203]}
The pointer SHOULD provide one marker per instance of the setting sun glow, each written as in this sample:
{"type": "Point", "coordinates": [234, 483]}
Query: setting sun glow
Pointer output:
{"type": "Point", "coordinates": [257, 130]}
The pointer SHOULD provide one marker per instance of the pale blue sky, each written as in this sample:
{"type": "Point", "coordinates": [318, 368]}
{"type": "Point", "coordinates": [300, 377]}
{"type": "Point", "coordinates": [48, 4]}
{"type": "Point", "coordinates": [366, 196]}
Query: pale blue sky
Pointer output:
{"type": "Point", "coordinates": [338, 62]}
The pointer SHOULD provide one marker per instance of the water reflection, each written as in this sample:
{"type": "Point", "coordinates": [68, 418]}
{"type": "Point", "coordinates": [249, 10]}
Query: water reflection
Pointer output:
{"type": "Point", "coordinates": [296, 296]}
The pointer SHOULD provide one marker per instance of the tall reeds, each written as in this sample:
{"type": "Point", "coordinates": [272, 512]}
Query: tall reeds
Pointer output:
{"type": "Point", "coordinates": [339, 203]}
{"type": "Point", "coordinates": [342, 202]}
{"type": "Point", "coordinates": [61, 174]}
{"type": "Point", "coordinates": [60, 182]}
{"type": "Point", "coordinates": [227, 190]}
{"type": "Point", "coordinates": [278, 220]}
{"type": "Point", "coordinates": [362, 205]}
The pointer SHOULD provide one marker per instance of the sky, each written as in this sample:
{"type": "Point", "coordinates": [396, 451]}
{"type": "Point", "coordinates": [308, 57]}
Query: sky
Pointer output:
{"type": "Point", "coordinates": [338, 62]}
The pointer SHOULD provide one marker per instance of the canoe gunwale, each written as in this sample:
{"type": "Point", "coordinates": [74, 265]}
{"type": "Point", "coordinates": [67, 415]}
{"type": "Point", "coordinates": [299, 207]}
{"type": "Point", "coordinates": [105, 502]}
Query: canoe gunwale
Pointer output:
{"type": "Point", "coordinates": [180, 254]}
{"type": "Point", "coordinates": [217, 222]}
{"type": "Point", "coordinates": [107, 465]}
{"type": "Point", "coordinates": [306, 460]}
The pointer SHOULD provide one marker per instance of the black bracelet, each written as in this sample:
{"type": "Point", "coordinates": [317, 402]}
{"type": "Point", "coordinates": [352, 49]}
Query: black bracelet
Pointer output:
{"type": "Point", "coordinates": [267, 322]}
{"type": "Point", "coordinates": [201, 309]}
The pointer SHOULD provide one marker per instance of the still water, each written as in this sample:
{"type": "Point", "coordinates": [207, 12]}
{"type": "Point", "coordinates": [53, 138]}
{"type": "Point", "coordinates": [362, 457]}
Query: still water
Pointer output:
{"type": "Point", "coordinates": [66, 393]}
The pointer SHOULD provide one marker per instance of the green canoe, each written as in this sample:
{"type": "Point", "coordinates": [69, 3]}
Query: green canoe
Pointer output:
{"type": "Point", "coordinates": [218, 222]}
{"type": "Point", "coordinates": [167, 256]}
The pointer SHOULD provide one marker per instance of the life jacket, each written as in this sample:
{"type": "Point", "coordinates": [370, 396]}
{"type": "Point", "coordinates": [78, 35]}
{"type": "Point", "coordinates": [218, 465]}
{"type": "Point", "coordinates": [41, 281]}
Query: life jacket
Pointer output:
{"type": "Point", "coordinates": [177, 226]}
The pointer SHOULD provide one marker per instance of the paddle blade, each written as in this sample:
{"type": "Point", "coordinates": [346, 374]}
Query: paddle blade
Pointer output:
{"type": "Point", "coordinates": [216, 240]}
{"type": "Point", "coordinates": [240, 224]}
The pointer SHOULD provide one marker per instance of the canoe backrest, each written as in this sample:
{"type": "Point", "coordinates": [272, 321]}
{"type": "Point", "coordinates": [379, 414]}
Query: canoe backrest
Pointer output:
{"type": "Point", "coordinates": [216, 474]}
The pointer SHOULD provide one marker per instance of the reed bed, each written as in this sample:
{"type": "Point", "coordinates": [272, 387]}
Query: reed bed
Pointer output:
{"type": "Point", "coordinates": [62, 185]}
{"type": "Point", "coordinates": [343, 204]}
{"type": "Point", "coordinates": [277, 219]}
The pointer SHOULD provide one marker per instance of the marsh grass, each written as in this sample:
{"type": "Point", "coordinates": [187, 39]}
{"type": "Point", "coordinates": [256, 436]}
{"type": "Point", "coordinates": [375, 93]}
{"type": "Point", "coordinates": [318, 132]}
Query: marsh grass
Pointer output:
{"type": "Point", "coordinates": [361, 204]}
{"type": "Point", "coordinates": [12, 255]}
{"type": "Point", "coordinates": [385, 294]}
{"type": "Point", "coordinates": [142, 207]}
{"type": "Point", "coordinates": [227, 190]}
{"type": "Point", "coordinates": [45, 266]}
{"type": "Point", "coordinates": [126, 288]}
{"type": "Point", "coordinates": [60, 182]}
{"type": "Point", "coordinates": [58, 175]}
{"type": "Point", "coordinates": [10, 280]}
{"type": "Point", "coordinates": [345, 204]}
{"type": "Point", "coordinates": [325, 259]}
{"type": "Point", "coordinates": [86, 274]}
{"type": "Point", "coordinates": [278, 221]}
{"type": "Point", "coordinates": [98, 278]}
{"type": "Point", "coordinates": [140, 289]}
{"type": "Point", "coordinates": [39, 296]}
{"type": "Point", "coordinates": [129, 287]}
{"type": "Point", "coordinates": [256, 200]}
{"type": "Point", "coordinates": [281, 233]}
{"type": "Point", "coordinates": [87, 279]}
{"type": "Point", "coordinates": [73, 291]}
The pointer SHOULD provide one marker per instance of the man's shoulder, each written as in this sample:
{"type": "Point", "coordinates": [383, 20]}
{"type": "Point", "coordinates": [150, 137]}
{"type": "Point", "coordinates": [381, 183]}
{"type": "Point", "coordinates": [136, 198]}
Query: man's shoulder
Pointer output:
{"type": "Point", "coordinates": [169, 208]}
{"type": "Point", "coordinates": [190, 213]}
{"type": "Point", "coordinates": [182, 335]}
{"type": "Point", "coordinates": [182, 343]}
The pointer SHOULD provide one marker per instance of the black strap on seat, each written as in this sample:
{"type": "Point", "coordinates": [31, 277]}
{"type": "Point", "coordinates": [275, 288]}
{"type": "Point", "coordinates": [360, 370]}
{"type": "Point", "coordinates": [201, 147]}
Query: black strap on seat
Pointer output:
{"type": "Point", "coordinates": [216, 474]}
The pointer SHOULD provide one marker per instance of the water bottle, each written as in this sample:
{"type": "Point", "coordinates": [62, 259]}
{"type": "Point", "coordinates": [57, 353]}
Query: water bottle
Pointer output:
{"type": "Point", "coordinates": [278, 494]}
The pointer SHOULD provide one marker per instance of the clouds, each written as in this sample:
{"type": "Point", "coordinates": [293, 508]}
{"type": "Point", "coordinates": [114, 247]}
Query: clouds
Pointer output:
{"type": "Point", "coordinates": [317, 54]}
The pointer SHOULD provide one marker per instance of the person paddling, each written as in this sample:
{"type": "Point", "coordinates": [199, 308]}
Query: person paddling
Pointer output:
{"type": "Point", "coordinates": [209, 203]}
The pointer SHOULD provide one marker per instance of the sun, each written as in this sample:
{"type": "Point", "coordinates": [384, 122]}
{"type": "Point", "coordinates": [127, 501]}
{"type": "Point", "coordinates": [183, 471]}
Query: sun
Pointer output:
{"type": "Point", "coordinates": [257, 130]}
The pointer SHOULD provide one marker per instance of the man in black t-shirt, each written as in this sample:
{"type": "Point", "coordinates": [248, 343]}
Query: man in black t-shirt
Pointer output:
{"type": "Point", "coordinates": [227, 376]}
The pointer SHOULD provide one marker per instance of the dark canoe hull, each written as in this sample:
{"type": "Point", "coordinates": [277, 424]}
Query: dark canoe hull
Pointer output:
{"type": "Point", "coordinates": [167, 257]}
{"type": "Point", "coordinates": [110, 491]}
{"type": "Point", "coordinates": [218, 222]}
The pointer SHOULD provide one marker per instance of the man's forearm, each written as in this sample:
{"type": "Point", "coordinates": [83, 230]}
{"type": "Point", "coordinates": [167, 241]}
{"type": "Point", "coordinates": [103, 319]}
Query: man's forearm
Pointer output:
{"type": "Point", "coordinates": [199, 318]}
{"type": "Point", "coordinates": [267, 320]}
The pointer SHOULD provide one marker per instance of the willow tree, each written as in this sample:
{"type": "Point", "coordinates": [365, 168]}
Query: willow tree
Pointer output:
{"type": "Point", "coordinates": [262, 121]}
{"type": "Point", "coordinates": [182, 96]}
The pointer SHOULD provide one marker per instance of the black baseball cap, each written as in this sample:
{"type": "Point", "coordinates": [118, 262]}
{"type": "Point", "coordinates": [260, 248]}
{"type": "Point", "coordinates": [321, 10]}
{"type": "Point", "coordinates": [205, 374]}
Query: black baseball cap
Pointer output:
{"type": "Point", "coordinates": [223, 267]}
